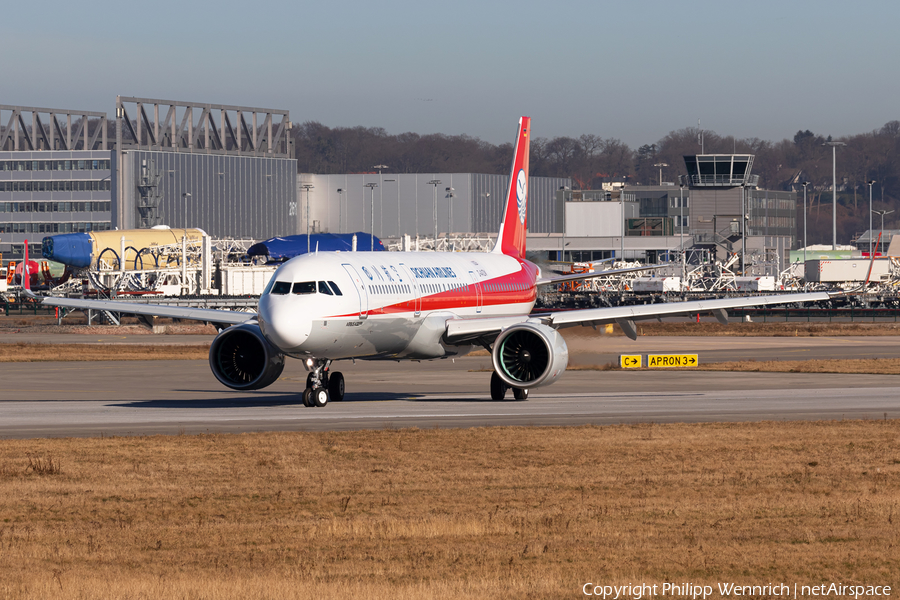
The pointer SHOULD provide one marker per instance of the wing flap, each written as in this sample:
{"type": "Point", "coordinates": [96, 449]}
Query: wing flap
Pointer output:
{"type": "Point", "coordinates": [593, 274]}
{"type": "Point", "coordinates": [644, 311]}
{"type": "Point", "coordinates": [154, 310]}
{"type": "Point", "coordinates": [460, 331]}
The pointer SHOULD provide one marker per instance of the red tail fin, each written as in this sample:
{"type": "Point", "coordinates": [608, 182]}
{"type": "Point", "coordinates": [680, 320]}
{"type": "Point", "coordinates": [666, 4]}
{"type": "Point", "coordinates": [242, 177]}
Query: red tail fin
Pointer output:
{"type": "Point", "coordinates": [26, 276]}
{"type": "Point", "coordinates": [515, 215]}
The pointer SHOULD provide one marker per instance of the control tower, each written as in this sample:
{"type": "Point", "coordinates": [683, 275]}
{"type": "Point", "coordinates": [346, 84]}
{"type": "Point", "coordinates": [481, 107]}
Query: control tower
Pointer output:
{"type": "Point", "coordinates": [730, 213]}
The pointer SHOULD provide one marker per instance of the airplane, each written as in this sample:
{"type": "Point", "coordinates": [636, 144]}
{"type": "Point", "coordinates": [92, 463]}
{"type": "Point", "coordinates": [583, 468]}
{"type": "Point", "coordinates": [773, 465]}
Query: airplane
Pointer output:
{"type": "Point", "coordinates": [323, 307]}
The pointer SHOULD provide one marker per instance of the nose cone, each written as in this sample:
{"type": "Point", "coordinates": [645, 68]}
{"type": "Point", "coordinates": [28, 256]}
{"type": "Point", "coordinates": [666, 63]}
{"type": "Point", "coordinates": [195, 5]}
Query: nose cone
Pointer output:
{"type": "Point", "coordinates": [283, 322]}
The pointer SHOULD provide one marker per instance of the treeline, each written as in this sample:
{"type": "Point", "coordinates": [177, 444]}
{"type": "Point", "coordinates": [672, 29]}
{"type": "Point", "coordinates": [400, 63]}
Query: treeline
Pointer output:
{"type": "Point", "coordinates": [591, 160]}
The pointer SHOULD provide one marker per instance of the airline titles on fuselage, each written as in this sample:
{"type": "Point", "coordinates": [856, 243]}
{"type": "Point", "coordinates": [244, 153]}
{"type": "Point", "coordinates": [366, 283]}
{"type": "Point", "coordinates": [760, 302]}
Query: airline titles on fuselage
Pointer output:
{"type": "Point", "coordinates": [432, 272]}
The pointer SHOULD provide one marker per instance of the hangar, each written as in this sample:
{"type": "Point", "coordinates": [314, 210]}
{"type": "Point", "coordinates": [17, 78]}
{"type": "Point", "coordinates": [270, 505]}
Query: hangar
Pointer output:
{"type": "Point", "coordinates": [55, 167]}
{"type": "Point", "coordinates": [227, 169]}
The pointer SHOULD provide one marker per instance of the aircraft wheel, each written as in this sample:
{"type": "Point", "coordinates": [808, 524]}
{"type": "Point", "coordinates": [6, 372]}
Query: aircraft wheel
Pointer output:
{"type": "Point", "coordinates": [307, 397]}
{"type": "Point", "coordinates": [520, 394]}
{"type": "Point", "coordinates": [498, 387]}
{"type": "Point", "coordinates": [336, 386]}
{"type": "Point", "coordinates": [319, 397]}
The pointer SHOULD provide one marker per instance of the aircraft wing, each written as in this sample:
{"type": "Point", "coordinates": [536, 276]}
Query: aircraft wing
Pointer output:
{"type": "Point", "coordinates": [484, 330]}
{"type": "Point", "coordinates": [227, 317]}
{"type": "Point", "coordinates": [593, 274]}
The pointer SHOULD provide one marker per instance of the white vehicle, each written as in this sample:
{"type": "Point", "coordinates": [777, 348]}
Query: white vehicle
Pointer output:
{"type": "Point", "coordinates": [329, 306]}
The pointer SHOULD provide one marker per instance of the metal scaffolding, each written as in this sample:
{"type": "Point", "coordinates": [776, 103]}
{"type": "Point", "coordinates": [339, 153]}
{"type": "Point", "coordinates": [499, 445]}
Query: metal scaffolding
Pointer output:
{"type": "Point", "coordinates": [192, 127]}
{"type": "Point", "coordinates": [81, 130]}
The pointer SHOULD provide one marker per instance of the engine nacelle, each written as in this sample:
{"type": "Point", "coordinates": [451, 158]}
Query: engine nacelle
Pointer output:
{"type": "Point", "coordinates": [530, 355]}
{"type": "Point", "coordinates": [243, 359]}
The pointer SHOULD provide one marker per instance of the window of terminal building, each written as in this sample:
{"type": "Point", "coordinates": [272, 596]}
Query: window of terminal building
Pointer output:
{"type": "Point", "coordinates": [55, 206]}
{"type": "Point", "coordinates": [84, 185]}
{"type": "Point", "coordinates": [54, 165]}
{"type": "Point", "coordinates": [68, 227]}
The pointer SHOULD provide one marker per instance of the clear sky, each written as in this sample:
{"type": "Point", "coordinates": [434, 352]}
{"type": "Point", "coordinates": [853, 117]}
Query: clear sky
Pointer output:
{"type": "Point", "coordinates": [627, 69]}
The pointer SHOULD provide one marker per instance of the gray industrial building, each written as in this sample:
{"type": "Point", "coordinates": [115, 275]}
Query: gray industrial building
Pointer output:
{"type": "Point", "coordinates": [633, 223]}
{"type": "Point", "coordinates": [55, 168]}
{"type": "Point", "coordinates": [226, 169]}
{"type": "Point", "coordinates": [702, 212]}
{"type": "Point", "coordinates": [422, 203]}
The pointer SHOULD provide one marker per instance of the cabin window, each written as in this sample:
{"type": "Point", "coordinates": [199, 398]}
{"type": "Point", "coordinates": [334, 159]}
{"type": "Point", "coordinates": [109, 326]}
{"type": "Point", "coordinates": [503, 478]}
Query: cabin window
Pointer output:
{"type": "Point", "coordinates": [281, 287]}
{"type": "Point", "coordinates": [324, 289]}
{"type": "Point", "coordinates": [304, 287]}
{"type": "Point", "coordinates": [337, 290]}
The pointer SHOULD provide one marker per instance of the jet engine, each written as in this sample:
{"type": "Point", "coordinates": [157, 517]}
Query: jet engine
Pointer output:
{"type": "Point", "coordinates": [530, 355]}
{"type": "Point", "coordinates": [243, 359]}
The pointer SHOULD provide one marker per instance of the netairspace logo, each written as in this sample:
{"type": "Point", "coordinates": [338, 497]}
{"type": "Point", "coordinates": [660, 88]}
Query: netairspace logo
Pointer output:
{"type": "Point", "coordinates": [728, 590]}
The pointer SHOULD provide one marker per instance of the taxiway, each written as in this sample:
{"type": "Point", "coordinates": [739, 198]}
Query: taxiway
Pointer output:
{"type": "Point", "coordinates": [147, 397]}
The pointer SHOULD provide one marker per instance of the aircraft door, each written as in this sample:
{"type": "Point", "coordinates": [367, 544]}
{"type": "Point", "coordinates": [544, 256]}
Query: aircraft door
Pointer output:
{"type": "Point", "coordinates": [360, 290]}
{"type": "Point", "coordinates": [417, 293]}
{"type": "Point", "coordinates": [479, 298]}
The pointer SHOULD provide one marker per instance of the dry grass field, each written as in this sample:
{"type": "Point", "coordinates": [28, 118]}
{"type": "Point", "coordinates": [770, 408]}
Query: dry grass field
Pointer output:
{"type": "Point", "coordinates": [23, 352]}
{"type": "Point", "coordinates": [478, 513]}
{"type": "Point", "coordinates": [769, 329]}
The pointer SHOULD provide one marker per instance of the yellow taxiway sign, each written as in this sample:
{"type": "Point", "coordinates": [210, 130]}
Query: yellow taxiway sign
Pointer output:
{"type": "Point", "coordinates": [672, 360]}
{"type": "Point", "coordinates": [630, 361]}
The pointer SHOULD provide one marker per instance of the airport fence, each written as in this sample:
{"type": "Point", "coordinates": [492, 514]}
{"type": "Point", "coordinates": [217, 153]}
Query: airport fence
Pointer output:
{"type": "Point", "coordinates": [26, 307]}
{"type": "Point", "coordinates": [821, 315]}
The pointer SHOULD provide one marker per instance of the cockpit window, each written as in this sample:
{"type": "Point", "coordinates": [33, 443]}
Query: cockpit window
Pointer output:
{"type": "Point", "coordinates": [281, 287]}
{"type": "Point", "coordinates": [336, 289]}
{"type": "Point", "coordinates": [305, 287]}
{"type": "Point", "coordinates": [324, 289]}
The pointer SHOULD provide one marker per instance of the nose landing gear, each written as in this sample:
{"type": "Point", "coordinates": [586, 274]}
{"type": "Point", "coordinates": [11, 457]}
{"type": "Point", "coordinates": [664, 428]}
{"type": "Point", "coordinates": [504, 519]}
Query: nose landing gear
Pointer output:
{"type": "Point", "coordinates": [321, 384]}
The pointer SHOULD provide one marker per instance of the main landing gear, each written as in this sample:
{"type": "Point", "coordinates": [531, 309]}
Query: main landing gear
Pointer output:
{"type": "Point", "coordinates": [499, 387]}
{"type": "Point", "coordinates": [321, 384]}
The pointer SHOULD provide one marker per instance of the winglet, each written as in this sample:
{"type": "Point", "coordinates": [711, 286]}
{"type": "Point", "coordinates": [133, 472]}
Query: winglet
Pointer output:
{"type": "Point", "coordinates": [511, 240]}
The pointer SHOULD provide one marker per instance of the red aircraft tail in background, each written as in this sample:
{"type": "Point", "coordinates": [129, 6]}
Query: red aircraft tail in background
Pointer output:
{"type": "Point", "coordinates": [26, 276]}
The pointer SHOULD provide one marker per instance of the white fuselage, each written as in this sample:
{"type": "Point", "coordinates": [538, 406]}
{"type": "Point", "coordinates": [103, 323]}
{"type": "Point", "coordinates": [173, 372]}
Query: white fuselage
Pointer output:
{"type": "Point", "coordinates": [388, 304]}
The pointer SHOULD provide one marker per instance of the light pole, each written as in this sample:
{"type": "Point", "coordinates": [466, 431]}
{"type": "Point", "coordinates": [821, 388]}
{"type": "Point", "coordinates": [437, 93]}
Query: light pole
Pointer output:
{"type": "Point", "coordinates": [435, 183]}
{"type": "Point", "coordinates": [806, 241]}
{"type": "Point", "coordinates": [372, 187]}
{"type": "Point", "coordinates": [184, 199]}
{"type": "Point", "coordinates": [882, 213]}
{"type": "Point", "coordinates": [184, 284]}
{"type": "Point", "coordinates": [340, 192]}
{"type": "Point", "coordinates": [681, 234]}
{"type": "Point", "coordinates": [307, 187]}
{"type": "Point", "coordinates": [870, 184]}
{"type": "Point", "coordinates": [744, 220]}
{"type": "Point", "coordinates": [380, 200]}
{"type": "Point", "coordinates": [449, 196]}
{"type": "Point", "coordinates": [399, 232]}
{"type": "Point", "coordinates": [622, 237]}
{"type": "Point", "coordinates": [834, 146]}
{"type": "Point", "coordinates": [660, 165]}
